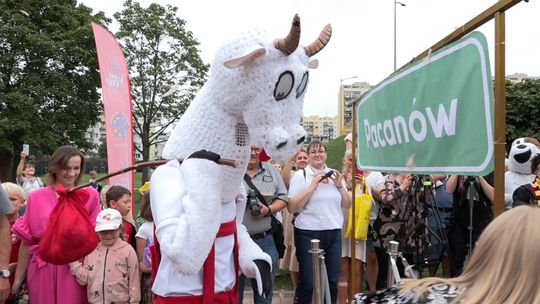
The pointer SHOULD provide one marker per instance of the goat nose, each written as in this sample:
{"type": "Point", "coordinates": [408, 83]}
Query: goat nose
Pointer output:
{"type": "Point", "coordinates": [300, 140]}
{"type": "Point", "coordinates": [521, 147]}
{"type": "Point", "coordinates": [281, 145]}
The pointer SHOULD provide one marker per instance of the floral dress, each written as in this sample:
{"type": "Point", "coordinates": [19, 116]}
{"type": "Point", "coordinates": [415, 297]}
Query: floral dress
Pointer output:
{"type": "Point", "coordinates": [436, 294]}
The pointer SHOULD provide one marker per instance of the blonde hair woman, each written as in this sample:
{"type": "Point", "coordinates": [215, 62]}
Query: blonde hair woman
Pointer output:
{"type": "Point", "coordinates": [501, 268]}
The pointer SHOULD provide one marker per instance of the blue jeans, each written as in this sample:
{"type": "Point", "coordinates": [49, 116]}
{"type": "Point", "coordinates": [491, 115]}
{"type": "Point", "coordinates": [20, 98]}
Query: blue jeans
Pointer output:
{"type": "Point", "coordinates": [330, 242]}
{"type": "Point", "coordinates": [267, 245]}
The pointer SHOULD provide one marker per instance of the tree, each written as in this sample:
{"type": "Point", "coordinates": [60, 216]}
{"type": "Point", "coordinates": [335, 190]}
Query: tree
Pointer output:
{"type": "Point", "coordinates": [522, 109]}
{"type": "Point", "coordinates": [48, 77]}
{"type": "Point", "coordinates": [160, 53]}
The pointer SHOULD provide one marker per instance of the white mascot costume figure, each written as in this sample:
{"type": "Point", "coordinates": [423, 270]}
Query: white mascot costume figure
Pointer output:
{"type": "Point", "coordinates": [254, 95]}
{"type": "Point", "coordinates": [519, 165]}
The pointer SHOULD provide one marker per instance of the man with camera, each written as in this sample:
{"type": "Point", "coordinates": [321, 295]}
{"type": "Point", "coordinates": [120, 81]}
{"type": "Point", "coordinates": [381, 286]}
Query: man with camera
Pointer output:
{"type": "Point", "coordinates": [262, 181]}
{"type": "Point", "coordinates": [472, 212]}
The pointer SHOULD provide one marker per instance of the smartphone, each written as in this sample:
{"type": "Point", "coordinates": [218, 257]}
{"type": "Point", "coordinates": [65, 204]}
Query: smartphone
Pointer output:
{"type": "Point", "coordinates": [26, 148]}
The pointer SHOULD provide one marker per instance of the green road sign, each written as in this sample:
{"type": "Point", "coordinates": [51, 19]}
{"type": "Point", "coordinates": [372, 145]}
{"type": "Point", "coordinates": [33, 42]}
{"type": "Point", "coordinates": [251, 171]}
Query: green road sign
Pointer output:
{"type": "Point", "coordinates": [434, 116]}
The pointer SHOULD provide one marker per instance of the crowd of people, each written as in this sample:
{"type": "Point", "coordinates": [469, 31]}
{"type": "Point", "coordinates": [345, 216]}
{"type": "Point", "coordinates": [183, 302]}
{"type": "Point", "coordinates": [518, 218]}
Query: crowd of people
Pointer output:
{"type": "Point", "coordinates": [436, 220]}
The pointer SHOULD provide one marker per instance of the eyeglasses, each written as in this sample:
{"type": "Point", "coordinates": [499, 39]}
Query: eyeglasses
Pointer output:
{"type": "Point", "coordinates": [317, 152]}
{"type": "Point", "coordinates": [256, 150]}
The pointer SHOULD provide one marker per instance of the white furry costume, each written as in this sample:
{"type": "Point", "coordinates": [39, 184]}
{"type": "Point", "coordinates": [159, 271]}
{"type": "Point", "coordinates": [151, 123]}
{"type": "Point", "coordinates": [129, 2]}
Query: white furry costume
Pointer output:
{"type": "Point", "coordinates": [519, 165]}
{"type": "Point", "coordinates": [254, 95]}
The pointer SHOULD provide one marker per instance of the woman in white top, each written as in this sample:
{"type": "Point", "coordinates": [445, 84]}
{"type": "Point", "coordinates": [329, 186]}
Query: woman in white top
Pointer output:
{"type": "Point", "coordinates": [364, 252]}
{"type": "Point", "coordinates": [318, 202]}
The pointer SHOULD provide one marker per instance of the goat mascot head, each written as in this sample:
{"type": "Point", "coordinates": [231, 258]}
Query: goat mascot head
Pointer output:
{"type": "Point", "coordinates": [255, 94]}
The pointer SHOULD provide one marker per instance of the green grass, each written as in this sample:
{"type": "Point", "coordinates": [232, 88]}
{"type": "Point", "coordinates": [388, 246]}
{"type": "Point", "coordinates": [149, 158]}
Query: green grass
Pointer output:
{"type": "Point", "coordinates": [281, 282]}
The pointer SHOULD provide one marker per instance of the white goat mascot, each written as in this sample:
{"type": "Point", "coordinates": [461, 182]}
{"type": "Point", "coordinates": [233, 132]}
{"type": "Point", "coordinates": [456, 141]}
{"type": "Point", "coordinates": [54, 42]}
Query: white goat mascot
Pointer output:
{"type": "Point", "coordinates": [254, 95]}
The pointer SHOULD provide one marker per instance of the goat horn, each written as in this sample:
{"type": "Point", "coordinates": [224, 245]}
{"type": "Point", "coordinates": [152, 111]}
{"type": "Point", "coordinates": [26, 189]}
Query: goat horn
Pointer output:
{"type": "Point", "coordinates": [289, 44]}
{"type": "Point", "coordinates": [321, 41]}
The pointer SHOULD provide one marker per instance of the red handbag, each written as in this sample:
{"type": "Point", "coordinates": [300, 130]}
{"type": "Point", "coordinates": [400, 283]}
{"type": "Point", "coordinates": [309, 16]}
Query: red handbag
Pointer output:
{"type": "Point", "coordinates": [70, 234]}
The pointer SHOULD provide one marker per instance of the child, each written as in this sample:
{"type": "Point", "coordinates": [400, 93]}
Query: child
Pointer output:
{"type": "Point", "coordinates": [26, 175]}
{"type": "Point", "coordinates": [119, 198]}
{"type": "Point", "coordinates": [93, 177]}
{"type": "Point", "coordinates": [111, 271]}
{"type": "Point", "coordinates": [17, 197]}
{"type": "Point", "coordinates": [102, 198]}
{"type": "Point", "coordinates": [145, 239]}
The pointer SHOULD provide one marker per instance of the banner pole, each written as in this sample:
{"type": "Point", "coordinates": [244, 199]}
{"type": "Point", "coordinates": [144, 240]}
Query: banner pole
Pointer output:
{"type": "Point", "coordinates": [500, 112]}
{"type": "Point", "coordinates": [352, 271]}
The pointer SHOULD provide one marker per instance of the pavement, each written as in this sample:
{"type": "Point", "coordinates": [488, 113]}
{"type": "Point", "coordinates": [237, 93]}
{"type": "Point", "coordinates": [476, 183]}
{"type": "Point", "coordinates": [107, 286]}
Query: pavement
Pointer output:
{"type": "Point", "coordinates": [279, 297]}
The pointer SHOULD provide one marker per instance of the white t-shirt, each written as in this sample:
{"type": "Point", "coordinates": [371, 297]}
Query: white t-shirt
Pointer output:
{"type": "Point", "coordinates": [373, 180]}
{"type": "Point", "coordinates": [146, 232]}
{"type": "Point", "coordinates": [322, 211]}
{"type": "Point", "coordinates": [30, 184]}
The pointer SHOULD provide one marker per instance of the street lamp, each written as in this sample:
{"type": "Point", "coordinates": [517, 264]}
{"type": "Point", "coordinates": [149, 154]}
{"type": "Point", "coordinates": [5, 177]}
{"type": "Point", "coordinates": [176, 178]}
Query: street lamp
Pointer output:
{"type": "Point", "coordinates": [395, 4]}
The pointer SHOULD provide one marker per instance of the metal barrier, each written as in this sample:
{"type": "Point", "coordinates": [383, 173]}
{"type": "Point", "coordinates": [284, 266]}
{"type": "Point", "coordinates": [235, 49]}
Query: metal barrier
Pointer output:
{"type": "Point", "coordinates": [393, 273]}
{"type": "Point", "coordinates": [393, 276]}
{"type": "Point", "coordinates": [321, 287]}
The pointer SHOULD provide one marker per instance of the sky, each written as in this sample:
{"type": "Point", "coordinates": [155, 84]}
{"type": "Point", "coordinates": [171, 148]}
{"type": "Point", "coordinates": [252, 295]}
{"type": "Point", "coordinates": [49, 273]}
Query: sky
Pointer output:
{"type": "Point", "coordinates": [362, 42]}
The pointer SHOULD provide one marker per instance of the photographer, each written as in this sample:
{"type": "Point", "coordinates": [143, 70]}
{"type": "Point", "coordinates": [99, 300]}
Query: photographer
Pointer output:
{"type": "Point", "coordinates": [317, 194]}
{"type": "Point", "coordinates": [472, 212]}
{"type": "Point", "coordinates": [399, 219]}
{"type": "Point", "coordinates": [257, 220]}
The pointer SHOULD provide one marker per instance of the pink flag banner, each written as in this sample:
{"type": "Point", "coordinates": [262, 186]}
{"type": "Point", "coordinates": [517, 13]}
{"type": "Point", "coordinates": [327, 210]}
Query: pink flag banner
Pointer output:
{"type": "Point", "coordinates": [117, 105]}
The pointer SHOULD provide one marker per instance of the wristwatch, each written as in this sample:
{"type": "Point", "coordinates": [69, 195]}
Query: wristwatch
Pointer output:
{"type": "Point", "coordinates": [5, 273]}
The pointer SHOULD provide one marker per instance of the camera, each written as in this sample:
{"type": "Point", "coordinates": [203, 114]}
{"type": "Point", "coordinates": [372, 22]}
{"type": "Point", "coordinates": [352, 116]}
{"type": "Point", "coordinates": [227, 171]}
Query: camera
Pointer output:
{"type": "Point", "coordinates": [327, 175]}
{"type": "Point", "coordinates": [421, 180]}
{"type": "Point", "coordinates": [253, 203]}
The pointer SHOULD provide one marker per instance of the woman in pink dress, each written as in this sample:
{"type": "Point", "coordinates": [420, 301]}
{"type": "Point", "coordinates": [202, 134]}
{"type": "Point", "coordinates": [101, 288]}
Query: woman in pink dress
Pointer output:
{"type": "Point", "coordinates": [49, 283]}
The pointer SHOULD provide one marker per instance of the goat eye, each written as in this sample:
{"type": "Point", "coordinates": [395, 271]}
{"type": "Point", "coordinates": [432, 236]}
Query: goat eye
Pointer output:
{"type": "Point", "coordinates": [284, 85]}
{"type": "Point", "coordinates": [303, 85]}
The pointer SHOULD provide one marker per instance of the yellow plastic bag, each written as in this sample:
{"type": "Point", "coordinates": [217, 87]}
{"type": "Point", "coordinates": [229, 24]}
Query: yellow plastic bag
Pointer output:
{"type": "Point", "coordinates": [362, 204]}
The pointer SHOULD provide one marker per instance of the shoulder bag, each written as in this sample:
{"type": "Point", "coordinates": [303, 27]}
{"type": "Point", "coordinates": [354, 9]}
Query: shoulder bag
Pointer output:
{"type": "Point", "coordinates": [277, 227]}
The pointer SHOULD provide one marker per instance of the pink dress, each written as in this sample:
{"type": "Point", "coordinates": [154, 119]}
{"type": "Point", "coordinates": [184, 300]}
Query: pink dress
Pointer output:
{"type": "Point", "coordinates": [48, 283]}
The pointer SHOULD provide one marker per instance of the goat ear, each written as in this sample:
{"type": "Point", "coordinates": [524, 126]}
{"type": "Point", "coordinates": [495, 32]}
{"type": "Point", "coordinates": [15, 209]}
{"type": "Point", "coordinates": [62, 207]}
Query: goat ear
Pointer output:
{"type": "Point", "coordinates": [246, 59]}
{"type": "Point", "coordinates": [313, 64]}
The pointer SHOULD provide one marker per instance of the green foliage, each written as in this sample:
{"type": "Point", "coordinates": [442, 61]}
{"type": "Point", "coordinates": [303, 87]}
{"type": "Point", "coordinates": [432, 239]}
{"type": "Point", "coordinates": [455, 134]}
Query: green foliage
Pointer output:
{"type": "Point", "coordinates": [48, 75]}
{"type": "Point", "coordinates": [336, 150]}
{"type": "Point", "coordinates": [160, 53]}
{"type": "Point", "coordinates": [522, 110]}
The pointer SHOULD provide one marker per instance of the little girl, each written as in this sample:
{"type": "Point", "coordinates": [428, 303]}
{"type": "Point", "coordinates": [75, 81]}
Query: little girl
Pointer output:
{"type": "Point", "coordinates": [144, 239]}
{"type": "Point", "coordinates": [111, 271]}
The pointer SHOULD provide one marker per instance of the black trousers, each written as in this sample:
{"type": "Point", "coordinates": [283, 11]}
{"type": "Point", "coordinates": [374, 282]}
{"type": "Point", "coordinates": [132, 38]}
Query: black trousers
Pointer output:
{"type": "Point", "coordinates": [459, 246]}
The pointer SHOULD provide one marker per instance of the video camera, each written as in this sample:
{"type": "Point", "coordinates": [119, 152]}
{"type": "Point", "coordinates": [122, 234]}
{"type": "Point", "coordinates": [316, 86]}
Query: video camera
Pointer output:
{"type": "Point", "coordinates": [421, 180]}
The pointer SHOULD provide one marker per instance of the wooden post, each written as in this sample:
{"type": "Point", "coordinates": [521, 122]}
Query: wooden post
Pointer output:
{"type": "Point", "coordinates": [500, 112]}
{"type": "Point", "coordinates": [352, 270]}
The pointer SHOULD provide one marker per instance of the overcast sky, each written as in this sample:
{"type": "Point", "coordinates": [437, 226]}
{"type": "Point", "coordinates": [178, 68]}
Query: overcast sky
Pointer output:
{"type": "Point", "coordinates": [362, 43]}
